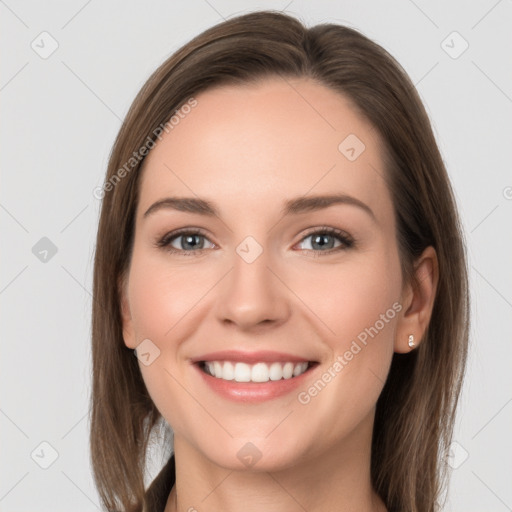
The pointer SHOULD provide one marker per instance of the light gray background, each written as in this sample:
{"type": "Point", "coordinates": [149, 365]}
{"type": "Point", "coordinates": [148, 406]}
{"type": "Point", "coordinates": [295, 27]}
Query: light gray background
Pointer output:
{"type": "Point", "coordinates": [60, 115]}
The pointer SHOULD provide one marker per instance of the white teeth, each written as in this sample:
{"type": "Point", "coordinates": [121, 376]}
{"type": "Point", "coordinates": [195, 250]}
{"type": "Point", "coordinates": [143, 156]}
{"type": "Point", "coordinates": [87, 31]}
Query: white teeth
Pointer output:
{"type": "Point", "coordinates": [276, 371]}
{"type": "Point", "coordinates": [242, 372]}
{"type": "Point", "coordinates": [217, 367]}
{"type": "Point", "coordinates": [288, 371]}
{"type": "Point", "coordinates": [259, 372]}
{"type": "Point", "coordinates": [297, 370]}
{"type": "Point", "coordinates": [228, 371]}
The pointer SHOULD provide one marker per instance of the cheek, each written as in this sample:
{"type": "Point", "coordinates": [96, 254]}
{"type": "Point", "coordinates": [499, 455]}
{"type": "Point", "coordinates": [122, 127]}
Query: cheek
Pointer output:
{"type": "Point", "coordinates": [356, 306]}
{"type": "Point", "coordinates": [161, 297]}
{"type": "Point", "coordinates": [357, 309]}
{"type": "Point", "coordinates": [357, 298]}
{"type": "Point", "coordinates": [165, 302]}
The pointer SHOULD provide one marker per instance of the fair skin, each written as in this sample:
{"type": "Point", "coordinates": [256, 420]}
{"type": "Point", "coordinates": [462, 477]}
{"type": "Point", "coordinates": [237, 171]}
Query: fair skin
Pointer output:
{"type": "Point", "coordinates": [248, 149]}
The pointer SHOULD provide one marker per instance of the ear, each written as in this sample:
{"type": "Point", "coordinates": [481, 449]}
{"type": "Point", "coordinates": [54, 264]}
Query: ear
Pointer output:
{"type": "Point", "coordinates": [126, 316]}
{"type": "Point", "coordinates": [418, 301]}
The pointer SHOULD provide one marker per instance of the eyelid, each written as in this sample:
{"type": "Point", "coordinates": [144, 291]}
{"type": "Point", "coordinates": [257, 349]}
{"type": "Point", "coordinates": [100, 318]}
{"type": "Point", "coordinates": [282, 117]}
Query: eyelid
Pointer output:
{"type": "Point", "coordinates": [328, 229]}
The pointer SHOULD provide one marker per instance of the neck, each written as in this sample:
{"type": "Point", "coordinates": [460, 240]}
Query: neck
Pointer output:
{"type": "Point", "coordinates": [335, 481]}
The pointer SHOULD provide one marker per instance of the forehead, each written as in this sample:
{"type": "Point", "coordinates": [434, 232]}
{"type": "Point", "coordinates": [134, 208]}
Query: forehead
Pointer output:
{"type": "Point", "coordinates": [263, 142]}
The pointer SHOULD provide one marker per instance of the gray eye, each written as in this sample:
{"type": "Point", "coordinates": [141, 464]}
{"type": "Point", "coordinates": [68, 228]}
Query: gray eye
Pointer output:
{"type": "Point", "coordinates": [321, 241]}
{"type": "Point", "coordinates": [188, 242]}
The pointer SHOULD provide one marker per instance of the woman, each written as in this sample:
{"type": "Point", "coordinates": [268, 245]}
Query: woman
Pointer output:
{"type": "Point", "coordinates": [279, 247]}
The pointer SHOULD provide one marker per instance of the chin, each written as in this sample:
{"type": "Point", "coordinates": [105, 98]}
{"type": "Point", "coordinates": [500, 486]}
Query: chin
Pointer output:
{"type": "Point", "coordinates": [255, 455]}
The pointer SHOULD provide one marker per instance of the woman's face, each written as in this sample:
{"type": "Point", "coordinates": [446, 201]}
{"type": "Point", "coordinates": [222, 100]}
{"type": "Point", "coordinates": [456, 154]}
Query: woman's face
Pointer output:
{"type": "Point", "coordinates": [276, 275]}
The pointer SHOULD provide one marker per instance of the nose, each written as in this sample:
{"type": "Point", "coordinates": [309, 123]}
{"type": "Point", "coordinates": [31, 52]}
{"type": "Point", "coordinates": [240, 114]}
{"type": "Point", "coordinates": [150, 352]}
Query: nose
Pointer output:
{"type": "Point", "coordinates": [252, 295]}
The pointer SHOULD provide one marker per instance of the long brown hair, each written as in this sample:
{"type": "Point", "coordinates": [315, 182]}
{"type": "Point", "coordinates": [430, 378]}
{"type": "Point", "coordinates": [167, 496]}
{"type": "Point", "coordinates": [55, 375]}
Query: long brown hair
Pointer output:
{"type": "Point", "coordinates": [416, 410]}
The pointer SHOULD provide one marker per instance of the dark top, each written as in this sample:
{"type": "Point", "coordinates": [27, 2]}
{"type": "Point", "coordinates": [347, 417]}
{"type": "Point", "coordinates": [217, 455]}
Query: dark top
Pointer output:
{"type": "Point", "coordinates": [160, 488]}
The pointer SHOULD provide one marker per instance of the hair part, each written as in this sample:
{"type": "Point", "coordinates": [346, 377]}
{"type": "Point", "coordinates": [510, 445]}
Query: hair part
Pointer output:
{"type": "Point", "coordinates": [416, 410]}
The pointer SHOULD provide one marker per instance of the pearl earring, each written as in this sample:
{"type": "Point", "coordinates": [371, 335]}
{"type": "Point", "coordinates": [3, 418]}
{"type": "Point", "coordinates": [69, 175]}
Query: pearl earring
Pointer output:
{"type": "Point", "coordinates": [411, 341]}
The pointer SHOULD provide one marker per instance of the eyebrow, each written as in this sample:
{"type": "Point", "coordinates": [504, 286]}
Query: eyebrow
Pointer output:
{"type": "Point", "coordinates": [294, 206]}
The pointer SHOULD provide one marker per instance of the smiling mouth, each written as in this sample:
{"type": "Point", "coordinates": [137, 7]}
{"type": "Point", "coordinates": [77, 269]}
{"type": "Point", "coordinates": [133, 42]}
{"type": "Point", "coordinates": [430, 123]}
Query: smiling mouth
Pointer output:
{"type": "Point", "coordinates": [257, 373]}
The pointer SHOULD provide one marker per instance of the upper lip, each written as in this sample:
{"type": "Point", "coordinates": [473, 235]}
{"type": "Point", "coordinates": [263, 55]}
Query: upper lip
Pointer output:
{"type": "Point", "coordinates": [264, 356]}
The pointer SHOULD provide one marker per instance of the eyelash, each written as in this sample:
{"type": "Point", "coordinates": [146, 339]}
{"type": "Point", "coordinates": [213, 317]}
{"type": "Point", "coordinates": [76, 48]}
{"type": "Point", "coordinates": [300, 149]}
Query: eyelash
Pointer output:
{"type": "Point", "coordinates": [347, 242]}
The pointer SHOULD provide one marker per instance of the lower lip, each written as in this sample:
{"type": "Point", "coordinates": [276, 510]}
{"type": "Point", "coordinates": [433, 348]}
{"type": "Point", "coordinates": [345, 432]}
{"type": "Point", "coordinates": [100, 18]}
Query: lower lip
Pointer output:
{"type": "Point", "coordinates": [253, 392]}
